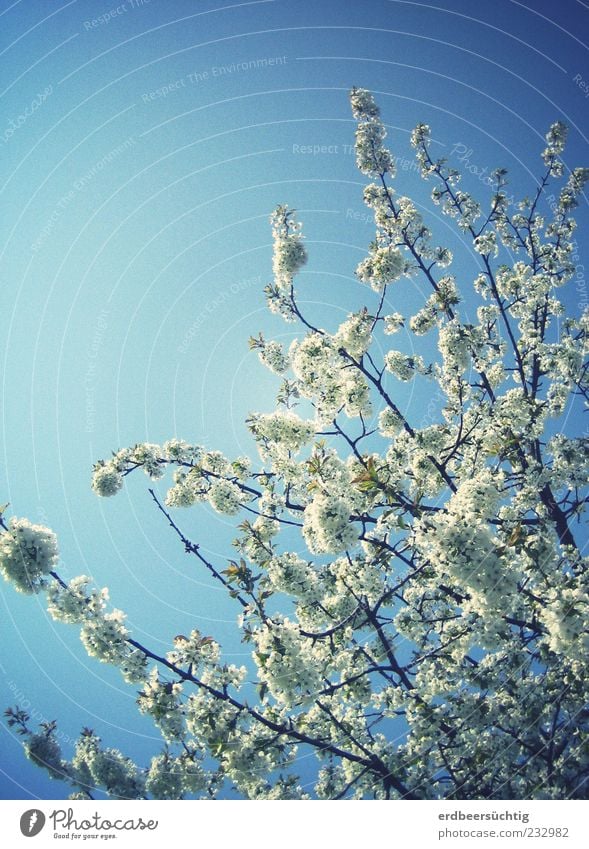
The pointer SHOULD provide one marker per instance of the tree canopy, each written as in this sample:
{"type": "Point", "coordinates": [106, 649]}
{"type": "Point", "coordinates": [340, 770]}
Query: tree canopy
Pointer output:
{"type": "Point", "coordinates": [414, 594]}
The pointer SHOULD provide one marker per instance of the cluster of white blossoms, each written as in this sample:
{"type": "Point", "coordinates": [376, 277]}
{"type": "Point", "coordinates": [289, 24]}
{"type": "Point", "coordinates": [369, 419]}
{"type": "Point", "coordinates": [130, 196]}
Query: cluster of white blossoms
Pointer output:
{"type": "Point", "coordinates": [271, 354]}
{"type": "Point", "coordinates": [325, 378]}
{"type": "Point", "coordinates": [486, 243]}
{"type": "Point", "coordinates": [570, 460]}
{"type": "Point", "coordinates": [27, 554]}
{"type": "Point", "coordinates": [103, 633]}
{"type": "Point", "coordinates": [171, 777]}
{"type": "Point", "coordinates": [105, 637]}
{"type": "Point", "coordinates": [189, 488]}
{"type": "Point", "coordinates": [248, 755]}
{"type": "Point", "coordinates": [106, 480]}
{"type": "Point", "coordinates": [566, 618]}
{"type": "Point", "coordinates": [162, 700]}
{"type": "Point", "coordinates": [75, 603]}
{"type": "Point", "coordinates": [383, 265]}
{"type": "Point", "coordinates": [195, 649]}
{"type": "Point", "coordinates": [555, 141]}
{"type": "Point", "coordinates": [255, 540]}
{"type": "Point", "coordinates": [44, 751]}
{"type": "Point", "coordinates": [439, 303]}
{"type": "Point", "coordinates": [455, 203]}
{"type": "Point", "coordinates": [372, 157]}
{"type": "Point", "coordinates": [289, 252]}
{"type": "Point", "coordinates": [390, 422]}
{"type": "Point", "coordinates": [288, 573]}
{"type": "Point", "coordinates": [225, 497]}
{"type": "Point", "coordinates": [93, 767]}
{"type": "Point", "coordinates": [252, 760]}
{"type": "Point", "coordinates": [280, 431]}
{"type": "Point", "coordinates": [288, 257]}
{"type": "Point", "coordinates": [393, 322]}
{"type": "Point", "coordinates": [355, 334]}
{"type": "Point", "coordinates": [513, 281]}
{"type": "Point", "coordinates": [327, 528]}
{"type": "Point", "coordinates": [463, 547]}
{"type": "Point", "coordinates": [457, 345]}
{"type": "Point", "coordinates": [287, 662]}
{"type": "Point", "coordinates": [199, 475]}
{"type": "Point", "coordinates": [107, 477]}
{"type": "Point", "coordinates": [404, 366]}
{"type": "Point", "coordinates": [419, 566]}
{"type": "Point", "coordinates": [462, 207]}
{"type": "Point", "coordinates": [360, 575]}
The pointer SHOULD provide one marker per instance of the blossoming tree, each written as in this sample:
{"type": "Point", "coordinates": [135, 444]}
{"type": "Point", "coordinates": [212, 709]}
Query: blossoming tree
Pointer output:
{"type": "Point", "coordinates": [415, 597]}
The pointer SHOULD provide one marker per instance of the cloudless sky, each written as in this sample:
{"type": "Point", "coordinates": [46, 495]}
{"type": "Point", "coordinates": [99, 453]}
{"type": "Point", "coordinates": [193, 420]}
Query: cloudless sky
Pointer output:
{"type": "Point", "coordinates": [140, 163]}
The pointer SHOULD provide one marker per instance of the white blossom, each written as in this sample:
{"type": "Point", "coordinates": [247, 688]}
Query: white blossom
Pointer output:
{"type": "Point", "coordinates": [27, 554]}
{"type": "Point", "coordinates": [225, 497]}
{"type": "Point", "coordinates": [282, 429]}
{"type": "Point", "coordinates": [106, 480]}
{"type": "Point", "coordinates": [393, 322]}
{"type": "Point", "coordinates": [404, 366]}
{"type": "Point", "coordinates": [383, 265]}
{"type": "Point", "coordinates": [327, 527]}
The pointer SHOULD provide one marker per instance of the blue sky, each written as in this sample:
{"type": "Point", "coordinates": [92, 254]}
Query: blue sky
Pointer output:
{"type": "Point", "coordinates": [140, 163]}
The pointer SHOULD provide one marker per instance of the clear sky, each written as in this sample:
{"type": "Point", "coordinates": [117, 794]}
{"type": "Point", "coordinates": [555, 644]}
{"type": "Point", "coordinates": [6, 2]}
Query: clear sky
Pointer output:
{"type": "Point", "coordinates": [141, 157]}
